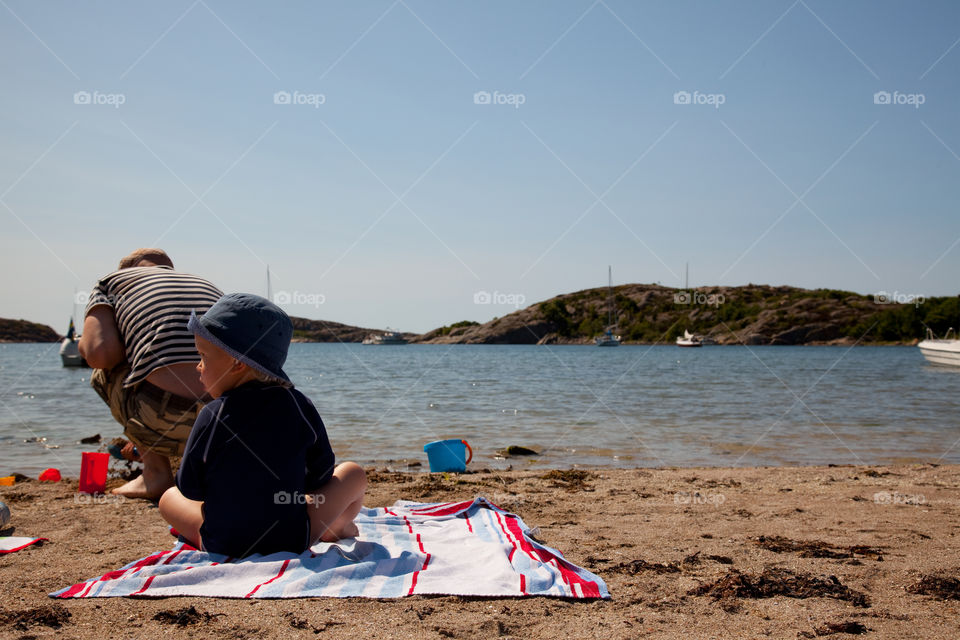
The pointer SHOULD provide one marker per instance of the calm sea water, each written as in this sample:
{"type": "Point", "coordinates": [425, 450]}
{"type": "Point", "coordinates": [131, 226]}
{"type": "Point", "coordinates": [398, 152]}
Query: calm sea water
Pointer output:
{"type": "Point", "coordinates": [633, 406]}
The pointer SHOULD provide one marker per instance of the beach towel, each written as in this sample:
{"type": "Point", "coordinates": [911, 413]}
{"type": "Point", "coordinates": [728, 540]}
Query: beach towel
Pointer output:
{"type": "Point", "coordinates": [470, 548]}
{"type": "Point", "coordinates": [9, 544]}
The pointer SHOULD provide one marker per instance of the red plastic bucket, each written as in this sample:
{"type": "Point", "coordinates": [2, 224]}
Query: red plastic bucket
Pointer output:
{"type": "Point", "coordinates": [93, 471]}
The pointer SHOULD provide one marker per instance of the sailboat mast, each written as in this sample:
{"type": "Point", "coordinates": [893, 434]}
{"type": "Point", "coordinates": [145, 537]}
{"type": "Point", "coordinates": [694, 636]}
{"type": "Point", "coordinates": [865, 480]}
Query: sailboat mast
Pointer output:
{"type": "Point", "coordinates": [609, 295]}
{"type": "Point", "coordinates": [269, 292]}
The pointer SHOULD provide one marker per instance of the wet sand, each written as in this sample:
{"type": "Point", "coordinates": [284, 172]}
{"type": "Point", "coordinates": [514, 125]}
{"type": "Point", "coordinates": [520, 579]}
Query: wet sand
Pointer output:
{"type": "Point", "coordinates": [781, 552]}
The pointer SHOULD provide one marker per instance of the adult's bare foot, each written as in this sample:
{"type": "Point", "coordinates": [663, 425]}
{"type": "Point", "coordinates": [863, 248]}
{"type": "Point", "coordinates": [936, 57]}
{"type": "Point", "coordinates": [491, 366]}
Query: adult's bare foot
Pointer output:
{"type": "Point", "coordinates": [156, 479]}
{"type": "Point", "coordinates": [135, 489]}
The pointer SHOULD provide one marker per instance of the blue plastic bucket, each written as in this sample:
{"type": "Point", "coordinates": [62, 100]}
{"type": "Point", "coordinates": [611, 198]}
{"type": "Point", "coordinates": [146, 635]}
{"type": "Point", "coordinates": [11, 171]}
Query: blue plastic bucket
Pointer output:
{"type": "Point", "coordinates": [448, 455]}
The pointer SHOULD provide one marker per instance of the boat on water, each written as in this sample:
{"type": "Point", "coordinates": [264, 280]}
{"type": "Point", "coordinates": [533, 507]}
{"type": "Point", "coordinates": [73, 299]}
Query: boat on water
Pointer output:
{"type": "Point", "coordinates": [389, 337]}
{"type": "Point", "coordinates": [608, 339]}
{"type": "Point", "coordinates": [689, 340]}
{"type": "Point", "coordinates": [944, 350]}
{"type": "Point", "coordinates": [70, 349]}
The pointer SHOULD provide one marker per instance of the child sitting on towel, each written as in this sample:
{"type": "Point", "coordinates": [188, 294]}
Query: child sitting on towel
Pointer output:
{"type": "Point", "coordinates": [258, 474]}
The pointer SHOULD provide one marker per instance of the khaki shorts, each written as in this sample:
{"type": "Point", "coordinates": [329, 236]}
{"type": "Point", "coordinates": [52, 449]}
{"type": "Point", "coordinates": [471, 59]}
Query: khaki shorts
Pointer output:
{"type": "Point", "coordinates": [153, 419]}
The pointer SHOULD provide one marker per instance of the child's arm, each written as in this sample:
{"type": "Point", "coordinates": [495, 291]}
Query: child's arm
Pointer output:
{"type": "Point", "coordinates": [334, 495]}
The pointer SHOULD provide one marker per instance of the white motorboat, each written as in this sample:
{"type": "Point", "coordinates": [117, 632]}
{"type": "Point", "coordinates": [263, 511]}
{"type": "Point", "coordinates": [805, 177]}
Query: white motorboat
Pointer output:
{"type": "Point", "coordinates": [944, 350]}
{"type": "Point", "coordinates": [608, 339]}
{"type": "Point", "coordinates": [390, 337]}
{"type": "Point", "coordinates": [689, 340]}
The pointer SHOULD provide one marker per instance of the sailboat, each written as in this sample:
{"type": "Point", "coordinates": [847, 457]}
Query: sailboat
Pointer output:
{"type": "Point", "coordinates": [70, 349]}
{"type": "Point", "coordinates": [608, 339]}
{"type": "Point", "coordinates": [688, 339]}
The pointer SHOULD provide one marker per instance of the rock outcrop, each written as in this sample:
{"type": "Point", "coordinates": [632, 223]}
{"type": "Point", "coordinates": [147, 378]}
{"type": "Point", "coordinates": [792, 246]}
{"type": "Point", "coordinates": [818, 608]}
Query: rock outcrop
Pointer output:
{"type": "Point", "coordinates": [306, 330]}
{"type": "Point", "coordinates": [26, 331]}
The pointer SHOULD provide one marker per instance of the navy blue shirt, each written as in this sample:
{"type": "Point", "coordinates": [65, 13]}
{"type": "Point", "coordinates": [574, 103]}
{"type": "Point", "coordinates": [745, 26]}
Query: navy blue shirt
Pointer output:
{"type": "Point", "coordinates": [252, 455]}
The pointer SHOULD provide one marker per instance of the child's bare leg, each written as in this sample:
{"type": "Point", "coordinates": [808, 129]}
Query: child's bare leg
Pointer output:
{"type": "Point", "coordinates": [183, 514]}
{"type": "Point", "coordinates": [333, 506]}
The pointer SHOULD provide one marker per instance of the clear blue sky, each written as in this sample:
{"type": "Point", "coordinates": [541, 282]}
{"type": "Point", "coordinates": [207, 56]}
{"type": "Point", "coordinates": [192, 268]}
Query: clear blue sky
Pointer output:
{"type": "Point", "coordinates": [400, 197]}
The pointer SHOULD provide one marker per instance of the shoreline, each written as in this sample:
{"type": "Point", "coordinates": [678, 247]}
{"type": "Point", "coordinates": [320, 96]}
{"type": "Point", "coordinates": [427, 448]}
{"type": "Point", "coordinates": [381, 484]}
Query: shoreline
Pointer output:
{"type": "Point", "coordinates": [675, 546]}
{"type": "Point", "coordinates": [843, 342]}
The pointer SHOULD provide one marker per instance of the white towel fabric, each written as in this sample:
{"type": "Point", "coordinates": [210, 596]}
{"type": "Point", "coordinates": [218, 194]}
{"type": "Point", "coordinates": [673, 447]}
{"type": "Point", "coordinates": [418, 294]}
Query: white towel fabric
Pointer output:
{"type": "Point", "coordinates": [466, 548]}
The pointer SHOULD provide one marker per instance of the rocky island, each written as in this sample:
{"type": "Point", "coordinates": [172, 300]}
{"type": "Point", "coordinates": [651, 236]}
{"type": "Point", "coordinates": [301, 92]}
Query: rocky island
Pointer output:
{"type": "Point", "coordinates": [751, 314]}
{"type": "Point", "coordinates": [26, 331]}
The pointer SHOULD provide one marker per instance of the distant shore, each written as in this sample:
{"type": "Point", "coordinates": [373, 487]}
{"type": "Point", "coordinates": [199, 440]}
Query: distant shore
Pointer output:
{"type": "Point", "coordinates": [785, 552]}
{"type": "Point", "coordinates": [649, 314]}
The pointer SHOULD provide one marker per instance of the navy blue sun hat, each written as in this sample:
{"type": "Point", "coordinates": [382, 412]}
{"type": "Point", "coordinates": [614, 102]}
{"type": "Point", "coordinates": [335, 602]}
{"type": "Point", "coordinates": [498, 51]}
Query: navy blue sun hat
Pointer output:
{"type": "Point", "coordinates": [250, 328]}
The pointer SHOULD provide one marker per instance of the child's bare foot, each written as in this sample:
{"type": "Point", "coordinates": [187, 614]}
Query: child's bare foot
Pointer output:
{"type": "Point", "coordinates": [349, 530]}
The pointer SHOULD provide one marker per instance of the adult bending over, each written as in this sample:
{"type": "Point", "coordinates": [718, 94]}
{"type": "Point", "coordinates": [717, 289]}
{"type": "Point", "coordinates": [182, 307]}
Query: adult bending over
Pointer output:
{"type": "Point", "coordinates": [135, 336]}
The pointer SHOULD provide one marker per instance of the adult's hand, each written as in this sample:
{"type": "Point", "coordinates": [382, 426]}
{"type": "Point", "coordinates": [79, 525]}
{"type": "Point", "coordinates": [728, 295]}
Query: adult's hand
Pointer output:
{"type": "Point", "coordinates": [129, 452]}
{"type": "Point", "coordinates": [100, 344]}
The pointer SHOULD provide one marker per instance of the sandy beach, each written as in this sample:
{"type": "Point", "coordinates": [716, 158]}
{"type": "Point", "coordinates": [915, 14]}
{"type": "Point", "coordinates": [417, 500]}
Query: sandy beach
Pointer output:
{"type": "Point", "coordinates": [686, 553]}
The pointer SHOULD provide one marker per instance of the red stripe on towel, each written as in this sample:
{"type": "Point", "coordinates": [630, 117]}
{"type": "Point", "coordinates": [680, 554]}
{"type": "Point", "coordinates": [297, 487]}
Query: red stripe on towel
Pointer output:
{"type": "Point", "coordinates": [507, 535]}
{"type": "Point", "coordinates": [439, 505]}
{"type": "Point", "coordinates": [81, 590]}
{"type": "Point", "coordinates": [262, 584]}
{"type": "Point", "coordinates": [426, 561]}
{"type": "Point", "coordinates": [589, 588]}
{"type": "Point", "coordinates": [146, 585]}
{"type": "Point", "coordinates": [445, 509]}
{"type": "Point", "coordinates": [513, 542]}
{"type": "Point", "coordinates": [24, 546]}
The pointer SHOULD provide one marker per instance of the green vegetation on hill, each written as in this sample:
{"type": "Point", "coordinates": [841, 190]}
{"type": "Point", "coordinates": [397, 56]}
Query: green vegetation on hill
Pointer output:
{"type": "Point", "coordinates": [446, 330]}
{"type": "Point", "coordinates": [660, 318]}
{"type": "Point", "coordinates": [751, 314]}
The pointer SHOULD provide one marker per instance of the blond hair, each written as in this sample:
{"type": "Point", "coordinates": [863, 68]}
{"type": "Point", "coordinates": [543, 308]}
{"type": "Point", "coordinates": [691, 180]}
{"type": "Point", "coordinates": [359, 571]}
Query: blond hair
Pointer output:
{"type": "Point", "coordinates": [266, 378]}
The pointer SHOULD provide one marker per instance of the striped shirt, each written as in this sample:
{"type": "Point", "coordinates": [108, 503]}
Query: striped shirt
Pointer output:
{"type": "Point", "coordinates": [152, 306]}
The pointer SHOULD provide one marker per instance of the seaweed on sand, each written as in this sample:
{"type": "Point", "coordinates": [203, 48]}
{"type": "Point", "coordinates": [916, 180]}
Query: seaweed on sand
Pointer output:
{"type": "Point", "coordinates": [940, 587]}
{"type": "Point", "coordinates": [816, 548]}
{"type": "Point", "coordinates": [571, 479]}
{"type": "Point", "coordinates": [779, 582]}
{"type": "Point", "coordinates": [53, 616]}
